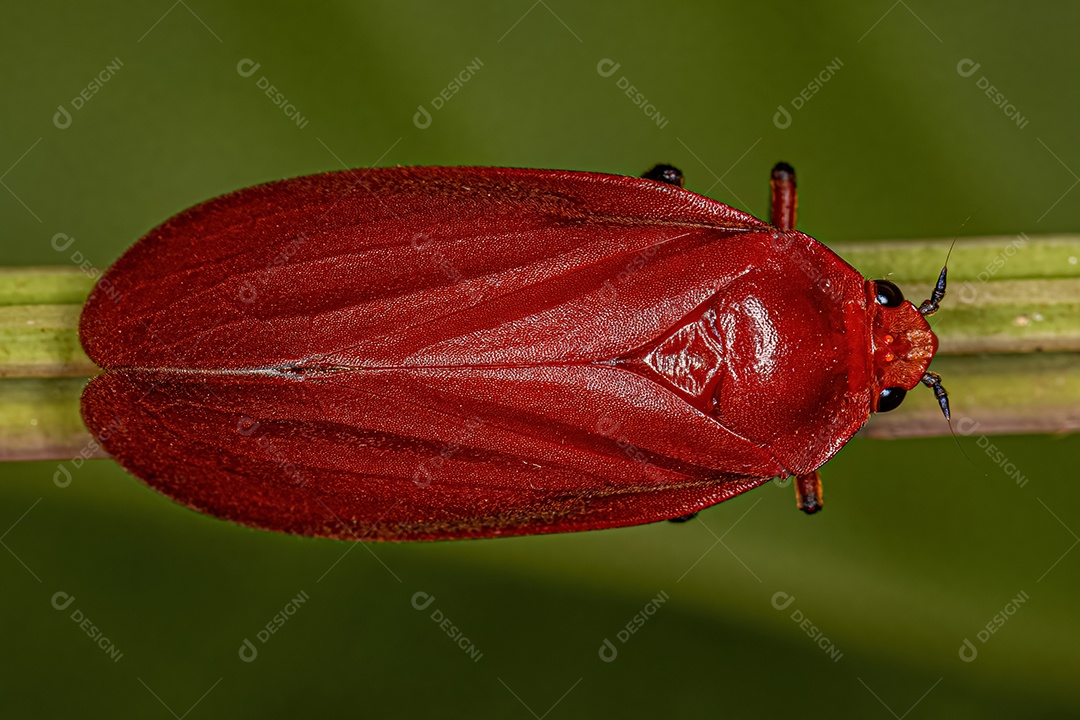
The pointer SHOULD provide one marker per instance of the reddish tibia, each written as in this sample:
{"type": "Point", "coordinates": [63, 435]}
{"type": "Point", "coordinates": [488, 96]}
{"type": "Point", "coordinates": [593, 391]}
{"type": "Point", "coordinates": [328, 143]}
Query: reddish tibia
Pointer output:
{"type": "Point", "coordinates": [783, 211]}
{"type": "Point", "coordinates": [783, 208]}
{"type": "Point", "coordinates": [434, 353]}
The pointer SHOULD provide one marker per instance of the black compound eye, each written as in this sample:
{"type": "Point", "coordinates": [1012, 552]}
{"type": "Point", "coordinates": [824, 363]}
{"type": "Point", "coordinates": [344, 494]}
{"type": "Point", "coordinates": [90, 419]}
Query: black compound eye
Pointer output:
{"type": "Point", "coordinates": [888, 295]}
{"type": "Point", "coordinates": [890, 399]}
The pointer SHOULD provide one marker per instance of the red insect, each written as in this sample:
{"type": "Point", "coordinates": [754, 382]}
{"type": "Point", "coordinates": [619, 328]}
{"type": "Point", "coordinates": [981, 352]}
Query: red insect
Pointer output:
{"type": "Point", "coordinates": [433, 353]}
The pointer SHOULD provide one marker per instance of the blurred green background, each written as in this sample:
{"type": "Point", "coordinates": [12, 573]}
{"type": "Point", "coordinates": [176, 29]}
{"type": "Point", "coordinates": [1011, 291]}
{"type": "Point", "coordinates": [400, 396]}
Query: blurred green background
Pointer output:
{"type": "Point", "coordinates": [923, 544]}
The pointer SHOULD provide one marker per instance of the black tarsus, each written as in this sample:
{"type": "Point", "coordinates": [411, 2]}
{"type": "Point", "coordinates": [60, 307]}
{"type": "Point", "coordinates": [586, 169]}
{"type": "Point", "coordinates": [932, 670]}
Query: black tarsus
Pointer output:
{"type": "Point", "coordinates": [783, 171]}
{"type": "Point", "coordinates": [683, 518]}
{"type": "Point", "coordinates": [667, 174]}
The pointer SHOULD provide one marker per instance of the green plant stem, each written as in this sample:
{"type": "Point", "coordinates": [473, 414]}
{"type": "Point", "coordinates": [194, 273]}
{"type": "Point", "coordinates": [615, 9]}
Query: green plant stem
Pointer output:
{"type": "Point", "coordinates": [42, 367]}
{"type": "Point", "coordinates": [1009, 331]}
{"type": "Point", "coordinates": [39, 323]}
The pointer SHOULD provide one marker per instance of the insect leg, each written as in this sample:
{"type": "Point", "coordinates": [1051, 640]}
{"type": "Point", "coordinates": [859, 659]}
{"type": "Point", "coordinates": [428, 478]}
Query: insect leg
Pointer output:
{"type": "Point", "coordinates": [683, 518]}
{"type": "Point", "coordinates": [808, 492]}
{"type": "Point", "coordinates": [785, 202]}
{"type": "Point", "coordinates": [668, 174]}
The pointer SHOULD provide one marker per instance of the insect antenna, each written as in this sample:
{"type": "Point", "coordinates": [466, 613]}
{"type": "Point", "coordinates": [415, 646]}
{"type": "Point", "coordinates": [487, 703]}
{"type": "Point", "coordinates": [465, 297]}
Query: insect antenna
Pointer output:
{"type": "Point", "coordinates": [933, 381]}
{"type": "Point", "coordinates": [929, 307]}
